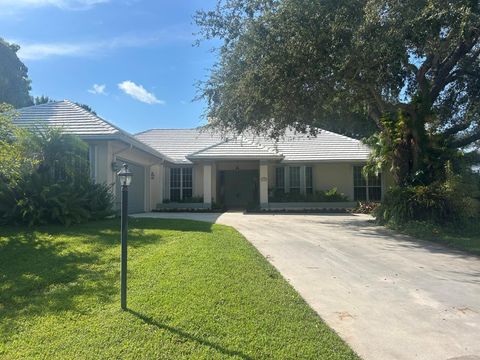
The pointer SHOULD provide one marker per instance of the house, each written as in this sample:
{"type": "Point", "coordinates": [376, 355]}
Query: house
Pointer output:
{"type": "Point", "coordinates": [178, 166]}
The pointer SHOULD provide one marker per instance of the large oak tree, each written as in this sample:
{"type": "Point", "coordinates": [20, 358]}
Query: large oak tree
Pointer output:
{"type": "Point", "coordinates": [408, 71]}
{"type": "Point", "coordinates": [14, 81]}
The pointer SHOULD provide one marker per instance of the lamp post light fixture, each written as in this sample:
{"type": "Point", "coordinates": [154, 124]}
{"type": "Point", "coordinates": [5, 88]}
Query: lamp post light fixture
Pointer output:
{"type": "Point", "coordinates": [125, 177]}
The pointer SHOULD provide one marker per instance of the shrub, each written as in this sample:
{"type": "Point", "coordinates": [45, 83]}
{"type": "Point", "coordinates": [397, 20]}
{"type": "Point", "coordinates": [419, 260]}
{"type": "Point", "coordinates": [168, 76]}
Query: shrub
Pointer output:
{"type": "Point", "coordinates": [193, 199]}
{"type": "Point", "coordinates": [440, 203]}
{"type": "Point", "coordinates": [332, 195]}
{"type": "Point", "coordinates": [57, 189]}
{"type": "Point", "coordinates": [36, 200]}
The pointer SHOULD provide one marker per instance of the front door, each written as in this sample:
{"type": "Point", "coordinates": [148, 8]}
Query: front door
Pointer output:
{"type": "Point", "coordinates": [239, 188]}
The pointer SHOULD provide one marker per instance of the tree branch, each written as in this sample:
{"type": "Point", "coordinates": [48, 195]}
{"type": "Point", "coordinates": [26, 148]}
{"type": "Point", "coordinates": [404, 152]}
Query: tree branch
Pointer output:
{"type": "Point", "coordinates": [462, 142]}
{"type": "Point", "coordinates": [442, 76]}
{"type": "Point", "coordinates": [457, 128]}
{"type": "Point", "coordinates": [420, 76]}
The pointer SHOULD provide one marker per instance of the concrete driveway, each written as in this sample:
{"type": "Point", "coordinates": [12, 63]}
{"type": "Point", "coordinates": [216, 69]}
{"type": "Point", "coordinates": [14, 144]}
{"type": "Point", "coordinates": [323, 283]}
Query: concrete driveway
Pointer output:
{"type": "Point", "coordinates": [385, 295]}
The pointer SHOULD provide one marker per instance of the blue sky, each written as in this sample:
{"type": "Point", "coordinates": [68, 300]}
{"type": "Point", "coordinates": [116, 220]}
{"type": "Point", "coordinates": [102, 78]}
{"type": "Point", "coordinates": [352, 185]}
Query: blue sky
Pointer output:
{"type": "Point", "coordinates": [132, 61]}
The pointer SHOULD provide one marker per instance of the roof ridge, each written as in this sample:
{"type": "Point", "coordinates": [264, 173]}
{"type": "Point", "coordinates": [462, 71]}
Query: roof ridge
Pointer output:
{"type": "Point", "coordinates": [262, 146]}
{"type": "Point", "coordinates": [38, 105]}
{"type": "Point", "coordinates": [340, 135]}
{"type": "Point", "coordinates": [168, 129]}
{"type": "Point", "coordinates": [208, 147]}
{"type": "Point", "coordinates": [94, 116]}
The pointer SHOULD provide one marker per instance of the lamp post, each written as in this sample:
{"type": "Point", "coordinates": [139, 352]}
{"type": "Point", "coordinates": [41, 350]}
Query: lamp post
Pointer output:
{"type": "Point", "coordinates": [125, 177]}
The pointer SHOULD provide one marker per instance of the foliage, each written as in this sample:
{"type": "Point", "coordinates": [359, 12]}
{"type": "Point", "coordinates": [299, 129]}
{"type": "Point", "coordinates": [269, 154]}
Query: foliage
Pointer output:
{"type": "Point", "coordinates": [14, 81]}
{"type": "Point", "coordinates": [332, 195]}
{"type": "Point", "coordinates": [407, 70]}
{"type": "Point", "coordinates": [193, 199]}
{"type": "Point", "coordinates": [16, 148]}
{"type": "Point", "coordinates": [87, 108]}
{"type": "Point", "coordinates": [443, 202]}
{"type": "Point", "coordinates": [196, 291]}
{"type": "Point", "coordinates": [58, 188]}
{"type": "Point", "coordinates": [39, 199]}
{"type": "Point", "coordinates": [39, 100]}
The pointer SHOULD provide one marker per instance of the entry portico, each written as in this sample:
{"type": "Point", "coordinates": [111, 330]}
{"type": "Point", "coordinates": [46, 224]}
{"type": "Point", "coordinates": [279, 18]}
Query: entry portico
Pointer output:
{"type": "Point", "coordinates": [240, 169]}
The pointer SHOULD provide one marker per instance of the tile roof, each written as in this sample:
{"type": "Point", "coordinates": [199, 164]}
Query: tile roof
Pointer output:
{"type": "Point", "coordinates": [73, 119]}
{"type": "Point", "coordinates": [236, 148]}
{"type": "Point", "coordinates": [184, 144]}
{"type": "Point", "coordinates": [177, 144]}
{"type": "Point", "coordinates": [67, 116]}
{"type": "Point", "coordinates": [325, 146]}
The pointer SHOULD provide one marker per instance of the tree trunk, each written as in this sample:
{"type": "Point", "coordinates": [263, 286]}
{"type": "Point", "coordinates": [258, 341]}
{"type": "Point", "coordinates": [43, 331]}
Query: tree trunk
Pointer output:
{"type": "Point", "coordinates": [411, 143]}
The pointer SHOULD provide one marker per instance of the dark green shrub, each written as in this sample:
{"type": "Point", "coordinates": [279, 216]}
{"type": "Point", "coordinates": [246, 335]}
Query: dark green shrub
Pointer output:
{"type": "Point", "coordinates": [58, 189]}
{"type": "Point", "coordinates": [99, 200]}
{"type": "Point", "coordinates": [37, 200]}
{"type": "Point", "coordinates": [440, 203]}
{"type": "Point", "coordinates": [193, 199]}
{"type": "Point", "coordinates": [332, 195]}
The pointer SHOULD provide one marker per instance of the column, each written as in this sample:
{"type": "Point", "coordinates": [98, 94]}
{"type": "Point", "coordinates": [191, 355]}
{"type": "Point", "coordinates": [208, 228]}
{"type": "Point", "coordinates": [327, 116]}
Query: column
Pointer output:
{"type": "Point", "coordinates": [207, 185]}
{"type": "Point", "coordinates": [263, 184]}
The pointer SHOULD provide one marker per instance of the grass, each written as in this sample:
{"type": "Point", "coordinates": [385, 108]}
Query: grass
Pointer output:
{"type": "Point", "coordinates": [465, 238]}
{"type": "Point", "coordinates": [196, 291]}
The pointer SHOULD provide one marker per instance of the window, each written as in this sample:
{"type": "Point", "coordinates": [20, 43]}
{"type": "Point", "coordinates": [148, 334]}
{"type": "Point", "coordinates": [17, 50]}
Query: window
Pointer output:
{"type": "Point", "coordinates": [181, 183]}
{"type": "Point", "coordinates": [366, 189]}
{"type": "Point", "coordinates": [175, 184]}
{"type": "Point", "coordinates": [280, 178]}
{"type": "Point", "coordinates": [374, 187]}
{"type": "Point", "coordinates": [187, 182]}
{"type": "Point", "coordinates": [308, 180]}
{"type": "Point", "coordinates": [294, 178]}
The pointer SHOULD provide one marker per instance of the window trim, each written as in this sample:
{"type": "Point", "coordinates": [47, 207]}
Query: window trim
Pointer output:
{"type": "Point", "coordinates": [311, 177]}
{"type": "Point", "coordinates": [181, 186]}
{"type": "Point", "coordinates": [277, 177]}
{"type": "Point", "coordinates": [299, 179]}
{"type": "Point", "coordinates": [302, 188]}
{"type": "Point", "coordinates": [367, 186]}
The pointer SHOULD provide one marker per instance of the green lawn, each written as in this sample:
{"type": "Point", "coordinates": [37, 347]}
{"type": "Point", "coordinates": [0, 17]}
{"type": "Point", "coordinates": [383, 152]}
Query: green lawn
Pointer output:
{"type": "Point", "coordinates": [465, 238]}
{"type": "Point", "coordinates": [196, 291]}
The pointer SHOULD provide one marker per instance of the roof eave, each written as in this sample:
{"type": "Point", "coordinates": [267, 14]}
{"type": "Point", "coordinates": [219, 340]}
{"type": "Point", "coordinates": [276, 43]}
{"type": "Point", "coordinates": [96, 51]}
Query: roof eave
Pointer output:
{"type": "Point", "coordinates": [234, 157]}
{"type": "Point", "coordinates": [304, 161]}
{"type": "Point", "coordinates": [128, 140]}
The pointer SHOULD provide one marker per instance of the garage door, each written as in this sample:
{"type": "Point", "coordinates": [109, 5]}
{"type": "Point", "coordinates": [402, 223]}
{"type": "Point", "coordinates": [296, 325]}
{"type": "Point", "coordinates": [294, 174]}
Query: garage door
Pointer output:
{"type": "Point", "coordinates": [136, 190]}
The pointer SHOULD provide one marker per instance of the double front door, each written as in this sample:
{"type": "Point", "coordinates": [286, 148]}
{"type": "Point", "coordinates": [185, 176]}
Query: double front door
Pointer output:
{"type": "Point", "coordinates": [239, 188]}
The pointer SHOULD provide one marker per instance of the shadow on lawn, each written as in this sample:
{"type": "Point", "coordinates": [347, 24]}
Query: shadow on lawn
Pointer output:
{"type": "Point", "coordinates": [138, 234]}
{"type": "Point", "coordinates": [169, 224]}
{"type": "Point", "coordinates": [38, 276]}
{"type": "Point", "coordinates": [151, 321]}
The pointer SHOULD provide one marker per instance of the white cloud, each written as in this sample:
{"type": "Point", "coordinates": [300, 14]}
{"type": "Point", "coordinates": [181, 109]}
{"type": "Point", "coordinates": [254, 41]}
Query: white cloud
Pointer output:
{"type": "Point", "coordinates": [62, 4]}
{"type": "Point", "coordinates": [39, 51]}
{"type": "Point", "coordinates": [98, 89]}
{"type": "Point", "coordinates": [139, 93]}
